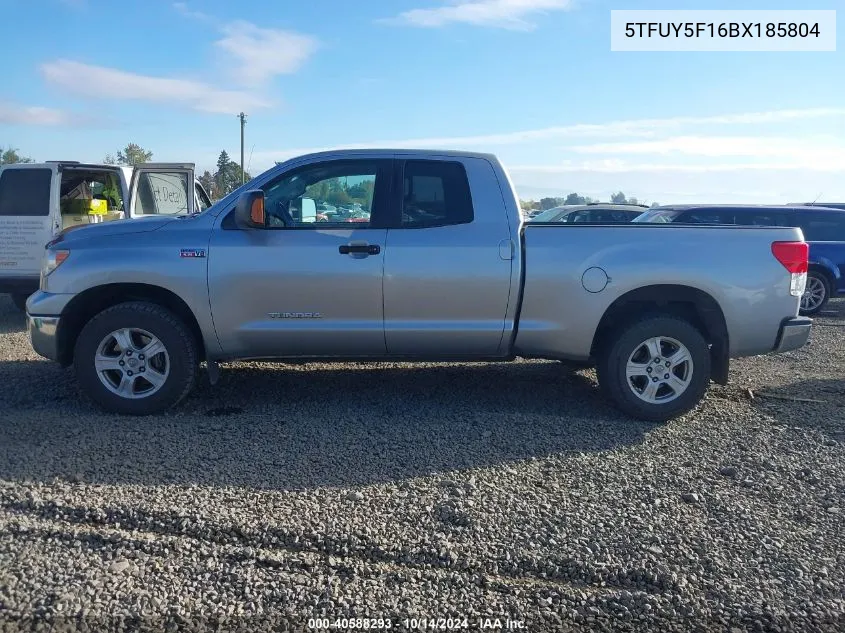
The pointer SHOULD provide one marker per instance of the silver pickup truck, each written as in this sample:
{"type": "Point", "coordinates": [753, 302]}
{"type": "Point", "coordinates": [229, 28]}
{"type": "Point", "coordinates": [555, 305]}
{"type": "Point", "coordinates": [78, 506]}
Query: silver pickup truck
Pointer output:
{"type": "Point", "coordinates": [405, 255]}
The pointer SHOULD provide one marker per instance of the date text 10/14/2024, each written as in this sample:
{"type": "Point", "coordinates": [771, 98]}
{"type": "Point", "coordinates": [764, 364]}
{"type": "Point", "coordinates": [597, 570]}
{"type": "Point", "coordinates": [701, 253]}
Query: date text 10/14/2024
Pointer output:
{"type": "Point", "coordinates": [417, 624]}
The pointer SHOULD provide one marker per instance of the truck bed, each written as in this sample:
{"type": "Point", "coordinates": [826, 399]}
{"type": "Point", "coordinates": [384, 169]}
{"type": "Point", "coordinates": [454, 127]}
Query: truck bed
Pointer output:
{"type": "Point", "coordinates": [732, 264]}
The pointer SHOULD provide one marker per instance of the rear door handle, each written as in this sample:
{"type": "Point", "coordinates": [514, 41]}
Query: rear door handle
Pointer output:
{"type": "Point", "coordinates": [363, 249]}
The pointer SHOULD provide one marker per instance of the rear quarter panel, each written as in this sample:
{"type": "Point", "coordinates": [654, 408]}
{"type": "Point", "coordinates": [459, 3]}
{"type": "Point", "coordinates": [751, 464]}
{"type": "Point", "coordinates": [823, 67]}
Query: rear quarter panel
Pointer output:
{"type": "Point", "coordinates": [734, 265]}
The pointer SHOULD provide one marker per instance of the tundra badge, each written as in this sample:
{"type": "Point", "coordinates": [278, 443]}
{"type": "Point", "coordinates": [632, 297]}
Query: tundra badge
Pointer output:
{"type": "Point", "coordinates": [295, 315]}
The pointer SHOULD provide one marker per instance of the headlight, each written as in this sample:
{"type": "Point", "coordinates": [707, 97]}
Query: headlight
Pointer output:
{"type": "Point", "coordinates": [52, 260]}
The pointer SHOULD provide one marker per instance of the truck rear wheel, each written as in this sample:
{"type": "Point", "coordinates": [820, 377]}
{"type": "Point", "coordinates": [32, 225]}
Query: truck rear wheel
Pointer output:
{"type": "Point", "coordinates": [655, 369]}
{"type": "Point", "coordinates": [136, 358]}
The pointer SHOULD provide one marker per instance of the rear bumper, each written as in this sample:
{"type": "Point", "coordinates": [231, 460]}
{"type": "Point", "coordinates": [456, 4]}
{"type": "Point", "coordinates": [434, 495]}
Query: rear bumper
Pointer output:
{"type": "Point", "coordinates": [794, 333]}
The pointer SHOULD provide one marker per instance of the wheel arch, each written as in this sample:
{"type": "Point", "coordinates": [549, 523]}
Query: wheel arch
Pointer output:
{"type": "Point", "coordinates": [823, 267]}
{"type": "Point", "coordinates": [83, 307]}
{"type": "Point", "coordinates": [692, 304]}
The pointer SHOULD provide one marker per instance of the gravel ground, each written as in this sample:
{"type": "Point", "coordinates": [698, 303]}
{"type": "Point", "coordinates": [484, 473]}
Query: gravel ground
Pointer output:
{"type": "Point", "coordinates": [427, 491]}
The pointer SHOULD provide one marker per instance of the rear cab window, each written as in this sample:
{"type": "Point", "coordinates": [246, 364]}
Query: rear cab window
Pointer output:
{"type": "Point", "coordinates": [435, 193]}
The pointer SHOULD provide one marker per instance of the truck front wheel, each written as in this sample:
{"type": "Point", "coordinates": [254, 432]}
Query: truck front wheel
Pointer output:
{"type": "Point", "coordinates": [656, 368]}
{"type": "Point", "coordinates": [136, 358]}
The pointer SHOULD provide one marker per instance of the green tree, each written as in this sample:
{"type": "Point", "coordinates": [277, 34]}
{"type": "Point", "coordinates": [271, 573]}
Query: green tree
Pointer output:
{"type": "Point", "coordinates": [618, 198]}
{"type": "Point", "coordinates": [207, 182]}
{"type": "Point", "coordinates": [132, 154]}
{"type": "Point", "coordinates": [227, 178]}
{"type": "Point", "coordinates": [633, 201]}
{"type": "Point", "coordinates": [10, 155]}
{"type": "Point", "coordinates": [362, 192]}
{"type": "Point", "coordinates": [574, 198]}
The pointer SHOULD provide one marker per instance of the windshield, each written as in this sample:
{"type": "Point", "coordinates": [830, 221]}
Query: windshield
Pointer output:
{"type": "Point", "coordinates": [658, 215]}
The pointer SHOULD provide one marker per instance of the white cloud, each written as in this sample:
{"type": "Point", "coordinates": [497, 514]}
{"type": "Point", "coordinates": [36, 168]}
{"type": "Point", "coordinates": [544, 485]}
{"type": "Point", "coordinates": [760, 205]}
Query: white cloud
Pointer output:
{"type": "Point", "coordinates": [254, 56]}
{"type": "Point", "coordinates": [638, 128]}
{"type": "Point", "coordinates": [668, 184]}
{"type": "Point", "coordinates": [186, 11]}
{"type": "Point", "coordinates": [507, 14]}
{"type": "Point", "coordinates": [109, 83]}
{"type": "Point", "coordinates": [614, 166]}
{"type": "Point", "coordinates": [817, 153]}
{"type": "Point", "coordinates": [259, 54]}
{"type": "Point", "coordinates": [11, 113]}
{"type": "Point", "coordinates": [674, 159]}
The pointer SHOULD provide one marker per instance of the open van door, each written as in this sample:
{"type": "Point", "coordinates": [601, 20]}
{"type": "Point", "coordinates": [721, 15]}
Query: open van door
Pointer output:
{"type": "Point", "coordinates": [29, 201]}
{"type": "Point", "coordinates": [162, 189]}
{"type": "Point", "coordinates": [203, 199]}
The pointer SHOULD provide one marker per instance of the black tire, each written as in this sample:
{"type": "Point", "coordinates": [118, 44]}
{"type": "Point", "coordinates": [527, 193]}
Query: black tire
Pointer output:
{"type": "Point", "coordinates": [824, 285]}
{"type": "Point", "coordinates": [621, 344]}
{"type": "Point", "coordinates": [19, 300]}
{"type": "Point", "coordinates": [168, 328]}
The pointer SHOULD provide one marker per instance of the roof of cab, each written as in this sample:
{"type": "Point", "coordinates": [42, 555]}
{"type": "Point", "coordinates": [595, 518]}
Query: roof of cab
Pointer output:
{"type": "Point", "coordinates": [370, 151]}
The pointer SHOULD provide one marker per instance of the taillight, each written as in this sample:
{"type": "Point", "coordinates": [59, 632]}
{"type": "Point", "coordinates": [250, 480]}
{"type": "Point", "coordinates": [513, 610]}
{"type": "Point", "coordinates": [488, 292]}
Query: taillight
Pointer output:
{"type": "Point", "coordinates": [795, 258]}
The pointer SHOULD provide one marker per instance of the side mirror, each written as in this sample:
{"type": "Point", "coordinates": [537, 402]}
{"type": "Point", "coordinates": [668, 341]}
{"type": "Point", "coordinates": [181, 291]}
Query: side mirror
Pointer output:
{"type": "Point", "coordinates": [249, 210]}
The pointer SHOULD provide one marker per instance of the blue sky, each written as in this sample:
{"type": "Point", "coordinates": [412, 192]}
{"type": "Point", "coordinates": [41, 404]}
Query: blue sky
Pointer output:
{"type": "Point", "coordinates": [533, 81]}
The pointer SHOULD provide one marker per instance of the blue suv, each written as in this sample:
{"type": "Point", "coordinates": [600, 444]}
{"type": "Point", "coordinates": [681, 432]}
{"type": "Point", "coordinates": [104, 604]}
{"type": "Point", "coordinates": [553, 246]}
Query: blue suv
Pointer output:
{"type": "Point", "coordinates": [823, 228]}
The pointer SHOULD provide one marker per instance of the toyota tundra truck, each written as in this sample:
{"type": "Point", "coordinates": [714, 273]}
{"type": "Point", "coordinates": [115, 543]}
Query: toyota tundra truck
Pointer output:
{"type": "Point", "coordinates": [434, 265]}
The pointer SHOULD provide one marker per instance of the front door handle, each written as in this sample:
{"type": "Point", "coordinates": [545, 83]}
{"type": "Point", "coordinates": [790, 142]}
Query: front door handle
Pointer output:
{"type": "Point", "coordinates": [361, 249]}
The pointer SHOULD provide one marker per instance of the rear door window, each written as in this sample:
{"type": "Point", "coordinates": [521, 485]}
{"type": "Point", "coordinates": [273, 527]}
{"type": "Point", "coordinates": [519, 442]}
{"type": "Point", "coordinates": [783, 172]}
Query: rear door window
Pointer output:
{"type": "Point", "coordinates": [436, 193]}
{"type": "Point", "coordinates": [25, 192]}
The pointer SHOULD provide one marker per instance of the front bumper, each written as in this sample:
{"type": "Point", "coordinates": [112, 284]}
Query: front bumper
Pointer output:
{"type": "Point", "coordinates": [44, 336]}
{"type": "Point", "coordinates": [794, 333]}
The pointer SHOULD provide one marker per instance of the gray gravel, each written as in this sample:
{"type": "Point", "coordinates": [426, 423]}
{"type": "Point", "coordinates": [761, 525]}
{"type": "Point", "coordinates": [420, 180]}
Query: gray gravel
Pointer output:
{"type": "Point", "coordinates": [440, 490]}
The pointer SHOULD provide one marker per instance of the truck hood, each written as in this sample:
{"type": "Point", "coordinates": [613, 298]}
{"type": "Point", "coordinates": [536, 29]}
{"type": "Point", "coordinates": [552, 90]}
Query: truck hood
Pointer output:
{"type": "Point", "coordinates": [116, 227]}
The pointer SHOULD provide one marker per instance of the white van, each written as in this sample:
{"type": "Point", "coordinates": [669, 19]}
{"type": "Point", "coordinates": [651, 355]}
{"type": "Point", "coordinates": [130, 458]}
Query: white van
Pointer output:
{"type": "Point", "coordinates": [39, 200]}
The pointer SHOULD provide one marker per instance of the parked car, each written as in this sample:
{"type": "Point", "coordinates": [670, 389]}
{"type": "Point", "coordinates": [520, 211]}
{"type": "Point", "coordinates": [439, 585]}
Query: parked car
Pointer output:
{"type": "Point", "coordinates": [823, 229]}
{"type": "Point", "coordinates": [444, 270]}
{"type": "Point", "coordinates": [592, 213]}
{"type": "Point", "coordinates": [38, 200]}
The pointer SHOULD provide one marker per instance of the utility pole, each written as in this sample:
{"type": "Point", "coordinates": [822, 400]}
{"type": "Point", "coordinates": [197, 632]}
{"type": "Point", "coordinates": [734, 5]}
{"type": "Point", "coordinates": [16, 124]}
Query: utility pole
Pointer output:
{"type": "Point", "coordinates": [242, 117]}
